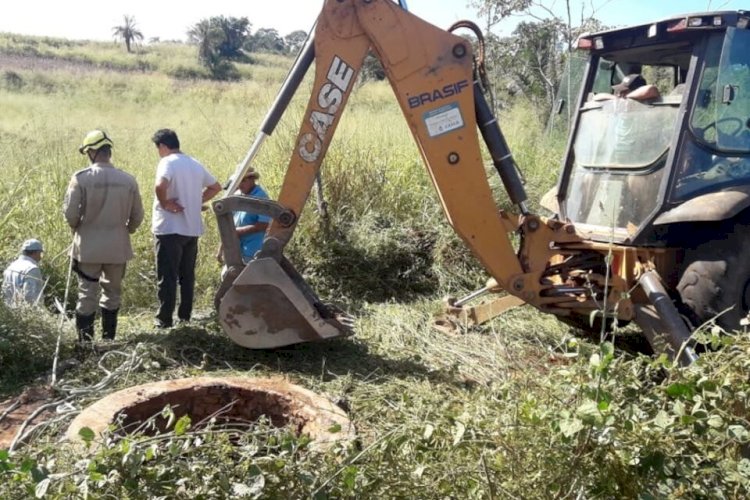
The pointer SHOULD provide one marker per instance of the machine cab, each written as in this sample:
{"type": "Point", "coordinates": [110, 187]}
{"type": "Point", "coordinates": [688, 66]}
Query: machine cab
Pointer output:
{"type": "Point", "coordinates": [636, 164]}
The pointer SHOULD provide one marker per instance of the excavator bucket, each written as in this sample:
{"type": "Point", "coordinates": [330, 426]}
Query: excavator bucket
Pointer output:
{"type": "Point", "coordinates": [266, 303]}
{"type": "Point", "coordinates": [266, 307]}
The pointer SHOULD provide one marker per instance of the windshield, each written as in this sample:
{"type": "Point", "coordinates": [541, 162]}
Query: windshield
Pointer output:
{"type": "Point", "coordinates": [624, 133]}
{"type": "Point", "coordinates": [619, 154]}
{"type": "Point", "coordinates": [621, 145]}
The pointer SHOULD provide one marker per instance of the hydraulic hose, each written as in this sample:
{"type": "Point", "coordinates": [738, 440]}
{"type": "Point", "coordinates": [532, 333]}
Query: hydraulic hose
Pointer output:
{"type": "Point", "coordinates": [499, 150]}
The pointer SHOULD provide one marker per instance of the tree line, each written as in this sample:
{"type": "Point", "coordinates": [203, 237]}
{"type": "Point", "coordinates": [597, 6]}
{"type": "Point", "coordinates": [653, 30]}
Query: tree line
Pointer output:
{"type": "Point", "coordinates": [220, 40]}
{"type": "Point", "coordinates": [529, 62]}
{"type": "Point", "coordinates": [538, 59]}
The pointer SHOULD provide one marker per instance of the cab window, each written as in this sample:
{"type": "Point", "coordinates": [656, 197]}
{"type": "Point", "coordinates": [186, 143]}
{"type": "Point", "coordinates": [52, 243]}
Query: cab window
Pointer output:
{"type": "Point", "coordinates": [722, 108]}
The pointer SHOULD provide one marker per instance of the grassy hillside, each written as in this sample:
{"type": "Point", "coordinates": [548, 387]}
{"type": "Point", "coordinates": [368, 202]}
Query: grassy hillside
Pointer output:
{"type": "Point", "coordinates": [174, 59]}
{"type": "Point", "coordinates": [520, 408]}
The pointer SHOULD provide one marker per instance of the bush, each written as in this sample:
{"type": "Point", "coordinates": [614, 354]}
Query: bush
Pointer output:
{"type": "Point", "coordinates": [12, 80]}
{"type": "Point", "coordinates": [371, 259]}
{"type": "Point", "coordinates": [27, 345]}
{"type": "Point", "coordinates": [223, 70]}
{"type": "Point", "coordinates": [187, 73]}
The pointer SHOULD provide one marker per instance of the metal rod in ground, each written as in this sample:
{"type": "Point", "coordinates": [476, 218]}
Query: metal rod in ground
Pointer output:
{"type": "Point", "coordinates": [319, 196]}
{"type": "Point", "coordinates": [63, 317]}
{"type": "Point", "coordinates": [472, 296]}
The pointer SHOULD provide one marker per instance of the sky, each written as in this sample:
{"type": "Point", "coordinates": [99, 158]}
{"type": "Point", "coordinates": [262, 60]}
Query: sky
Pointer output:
{"type": "Point", "coordinates": [167, 20]}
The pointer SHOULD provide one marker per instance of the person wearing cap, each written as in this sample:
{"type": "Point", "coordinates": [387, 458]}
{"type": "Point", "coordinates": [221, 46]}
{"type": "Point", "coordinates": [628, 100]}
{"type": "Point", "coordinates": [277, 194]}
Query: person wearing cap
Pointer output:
{"type": "Point", "coordinates": [103, 207]}
{"type": "Point", "coordinates": [182, 186]}
{"type": "Point", "coordinates": [251, 228]}
{"type": "Point", "coordinates": [22, 280]}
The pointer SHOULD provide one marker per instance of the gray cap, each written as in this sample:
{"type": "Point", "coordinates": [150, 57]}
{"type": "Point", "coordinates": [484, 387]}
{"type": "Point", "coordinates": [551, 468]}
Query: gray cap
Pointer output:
{"type": "Point", "coordinates": [32, 245]}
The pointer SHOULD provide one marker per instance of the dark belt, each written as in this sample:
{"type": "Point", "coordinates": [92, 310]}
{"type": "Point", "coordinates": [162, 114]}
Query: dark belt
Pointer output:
{"type": "Point", "coordinates": [83, 275]}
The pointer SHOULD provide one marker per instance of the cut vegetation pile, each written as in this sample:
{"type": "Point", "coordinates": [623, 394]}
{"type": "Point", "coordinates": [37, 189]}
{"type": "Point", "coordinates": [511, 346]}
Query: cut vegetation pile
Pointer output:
{"type": "Point", "coordinates": [521, 408]}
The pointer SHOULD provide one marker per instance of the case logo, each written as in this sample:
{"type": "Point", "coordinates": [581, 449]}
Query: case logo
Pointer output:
{"type": "Point", "coordinates": [330, 97]}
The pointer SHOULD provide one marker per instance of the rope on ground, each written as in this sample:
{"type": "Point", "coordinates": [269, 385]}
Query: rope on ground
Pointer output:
{"type": "Point", "coordinates": [133, 360]}
{"type": "Point", "coordinates": [22, 430]}
{"type": "Point", "coordinates": [10, 409]}
{"type": "Point", "coordinates": [66, 406]}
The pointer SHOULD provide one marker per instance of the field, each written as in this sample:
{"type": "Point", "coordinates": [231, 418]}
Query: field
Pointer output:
{"type": "Point", "coordinates": [524, 407]}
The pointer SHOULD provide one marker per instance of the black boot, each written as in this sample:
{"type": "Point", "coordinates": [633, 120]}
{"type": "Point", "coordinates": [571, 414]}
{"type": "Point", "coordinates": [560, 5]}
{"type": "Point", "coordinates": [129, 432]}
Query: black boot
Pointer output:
{"type": "Point", "coordinates": [109, 323]}
{"type": "Point", "coordinates": [85, 327]}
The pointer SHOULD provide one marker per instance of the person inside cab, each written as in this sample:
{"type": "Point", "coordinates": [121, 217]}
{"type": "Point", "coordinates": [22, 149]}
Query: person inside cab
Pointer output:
{"type": "Point", "coordinates": [633, 86]}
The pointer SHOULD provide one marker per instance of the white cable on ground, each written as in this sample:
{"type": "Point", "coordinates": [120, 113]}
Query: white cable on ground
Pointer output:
{"type": "Point", "coordinates": [64, 406]}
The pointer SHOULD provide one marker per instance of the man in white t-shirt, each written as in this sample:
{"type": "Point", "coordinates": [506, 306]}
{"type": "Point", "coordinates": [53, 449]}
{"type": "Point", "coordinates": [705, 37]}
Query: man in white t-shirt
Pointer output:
{"type": "Point", "coordinates": [183, 185]}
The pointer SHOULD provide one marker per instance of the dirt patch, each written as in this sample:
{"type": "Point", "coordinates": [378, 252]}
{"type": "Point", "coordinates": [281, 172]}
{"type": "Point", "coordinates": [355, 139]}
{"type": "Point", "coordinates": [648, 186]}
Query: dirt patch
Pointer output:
{"type": "Point", "coordinates": [21, 408]}
{"type": "Point", "coordinates": [12, 62]}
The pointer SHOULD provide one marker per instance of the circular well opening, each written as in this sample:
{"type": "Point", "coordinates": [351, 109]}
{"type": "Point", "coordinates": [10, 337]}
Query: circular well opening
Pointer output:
{"type": "Point", "coordinates": [231, 401]}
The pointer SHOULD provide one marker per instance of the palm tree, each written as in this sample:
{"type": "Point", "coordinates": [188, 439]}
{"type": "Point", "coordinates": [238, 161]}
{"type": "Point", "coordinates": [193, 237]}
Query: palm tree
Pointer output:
{"type": "Point", "coordinates": [207, 36]}
{"type": "Point", "coordinates": [128, 32]}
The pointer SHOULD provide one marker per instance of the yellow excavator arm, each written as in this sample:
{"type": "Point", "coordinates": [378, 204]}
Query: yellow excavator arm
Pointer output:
{"type": "Point", "coordinates": [430, 71]}
{"type": "Point", "coordinates": [266, 303]}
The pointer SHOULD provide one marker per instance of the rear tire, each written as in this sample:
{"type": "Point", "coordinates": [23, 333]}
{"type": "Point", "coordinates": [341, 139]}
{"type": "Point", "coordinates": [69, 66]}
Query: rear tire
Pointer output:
{"type": "Point", "coordinates": [716, 277]}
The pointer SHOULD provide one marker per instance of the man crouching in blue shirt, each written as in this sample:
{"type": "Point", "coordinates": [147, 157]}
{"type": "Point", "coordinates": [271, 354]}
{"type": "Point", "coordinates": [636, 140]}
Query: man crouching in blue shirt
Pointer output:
{"type": "Point", "coordinates": [251, 228]}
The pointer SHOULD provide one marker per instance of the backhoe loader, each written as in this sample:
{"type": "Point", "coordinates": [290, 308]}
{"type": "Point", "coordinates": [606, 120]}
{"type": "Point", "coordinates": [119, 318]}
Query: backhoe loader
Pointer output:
{"type": "Point", "coordinates": [649, 217]}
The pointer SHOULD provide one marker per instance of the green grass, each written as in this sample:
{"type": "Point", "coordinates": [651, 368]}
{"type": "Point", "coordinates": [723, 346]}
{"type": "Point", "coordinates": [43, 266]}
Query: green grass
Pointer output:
{"type": "Point", "coordinates": [520, 408]}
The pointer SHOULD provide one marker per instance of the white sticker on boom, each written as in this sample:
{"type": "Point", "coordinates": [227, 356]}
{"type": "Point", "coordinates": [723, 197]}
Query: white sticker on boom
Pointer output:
{"type": "Point", "coordinates": [443, 120]}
